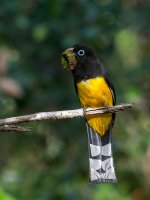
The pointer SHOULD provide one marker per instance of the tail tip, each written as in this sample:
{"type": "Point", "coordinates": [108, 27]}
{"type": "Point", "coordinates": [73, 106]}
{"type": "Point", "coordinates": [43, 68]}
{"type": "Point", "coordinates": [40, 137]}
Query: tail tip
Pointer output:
{"type": "Point", "coordinates": [101, 180]}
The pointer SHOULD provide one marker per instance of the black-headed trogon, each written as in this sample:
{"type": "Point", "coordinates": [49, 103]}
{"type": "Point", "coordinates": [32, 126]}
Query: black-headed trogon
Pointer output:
{"type": "Point", "coordinates": [94, 89]}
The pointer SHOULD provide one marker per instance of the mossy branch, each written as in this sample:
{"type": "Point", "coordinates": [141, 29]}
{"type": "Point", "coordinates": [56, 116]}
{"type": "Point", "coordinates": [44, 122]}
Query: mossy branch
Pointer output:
{"type": "Point", "coordinates": [8, 123]}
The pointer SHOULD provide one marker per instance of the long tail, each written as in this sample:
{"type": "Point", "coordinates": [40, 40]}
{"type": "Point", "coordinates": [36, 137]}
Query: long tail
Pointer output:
{"type": "Point", "coordinates": [101, 165]}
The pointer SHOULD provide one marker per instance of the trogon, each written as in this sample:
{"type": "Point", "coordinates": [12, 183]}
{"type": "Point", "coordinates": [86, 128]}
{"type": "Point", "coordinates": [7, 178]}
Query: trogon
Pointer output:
{"type": "Point", "coordinates": [94, 89]}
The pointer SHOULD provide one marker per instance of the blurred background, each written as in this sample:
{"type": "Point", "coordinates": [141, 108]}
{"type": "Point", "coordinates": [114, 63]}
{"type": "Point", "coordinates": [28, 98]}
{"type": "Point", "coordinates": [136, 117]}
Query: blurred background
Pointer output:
{"type": "Point", "coordinates": [51, 161]}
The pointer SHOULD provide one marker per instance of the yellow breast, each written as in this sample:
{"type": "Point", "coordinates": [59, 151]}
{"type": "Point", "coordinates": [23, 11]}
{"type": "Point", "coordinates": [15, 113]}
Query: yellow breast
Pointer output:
{"type": "Point", "coordinates": [96, 93]}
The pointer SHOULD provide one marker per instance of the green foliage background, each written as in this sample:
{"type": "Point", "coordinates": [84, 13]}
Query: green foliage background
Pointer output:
{"type": "Point", "coordinates": [51, 162]}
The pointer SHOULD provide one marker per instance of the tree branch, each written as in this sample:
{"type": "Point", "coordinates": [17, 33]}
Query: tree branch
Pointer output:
{"type": "Point", "coordinates": [59, 115]}
{"type": "Point", "coordinates": [11, 128]}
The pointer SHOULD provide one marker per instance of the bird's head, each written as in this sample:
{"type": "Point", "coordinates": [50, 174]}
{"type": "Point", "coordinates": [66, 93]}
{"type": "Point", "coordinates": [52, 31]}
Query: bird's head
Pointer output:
{"type": "Point", "coordinates": [79, 54]}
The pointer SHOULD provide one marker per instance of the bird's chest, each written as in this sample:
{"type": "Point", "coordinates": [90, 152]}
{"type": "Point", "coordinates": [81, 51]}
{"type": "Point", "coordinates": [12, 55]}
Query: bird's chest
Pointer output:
{"type": "Point", "coordinates": [94, 93]}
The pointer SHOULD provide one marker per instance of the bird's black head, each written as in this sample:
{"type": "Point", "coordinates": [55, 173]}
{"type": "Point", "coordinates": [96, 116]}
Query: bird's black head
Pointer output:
{"type": "Point", "coordinates": [79, 54]}
{"type": "Point", "coordinates": [83, 52]}
{"type": "Point", "coordinates": [82, 61]}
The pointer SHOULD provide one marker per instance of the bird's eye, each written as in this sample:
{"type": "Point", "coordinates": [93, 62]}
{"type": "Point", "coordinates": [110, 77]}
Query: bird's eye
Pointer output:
{"type": "Point", "coordinates": [81, 52]}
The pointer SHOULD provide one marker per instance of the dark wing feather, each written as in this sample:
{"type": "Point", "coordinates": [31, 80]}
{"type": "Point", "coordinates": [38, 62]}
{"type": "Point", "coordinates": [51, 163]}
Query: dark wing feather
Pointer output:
{"type": "Point", "coordinates": [112, 89]}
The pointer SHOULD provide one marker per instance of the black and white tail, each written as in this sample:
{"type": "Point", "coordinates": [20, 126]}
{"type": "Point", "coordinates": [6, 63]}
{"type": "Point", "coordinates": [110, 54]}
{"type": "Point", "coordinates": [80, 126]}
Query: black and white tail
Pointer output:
{"type": "Point", "coordinates": [101, 165]}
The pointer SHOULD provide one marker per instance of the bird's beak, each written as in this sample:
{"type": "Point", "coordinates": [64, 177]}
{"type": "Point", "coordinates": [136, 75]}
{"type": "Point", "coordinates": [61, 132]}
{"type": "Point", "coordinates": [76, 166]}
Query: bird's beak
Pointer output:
{"type": "Point", "coordinates": [68, 59]}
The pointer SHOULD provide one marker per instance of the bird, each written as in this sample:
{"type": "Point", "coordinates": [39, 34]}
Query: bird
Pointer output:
{"type": "Point", "coordinates": [95, 89]}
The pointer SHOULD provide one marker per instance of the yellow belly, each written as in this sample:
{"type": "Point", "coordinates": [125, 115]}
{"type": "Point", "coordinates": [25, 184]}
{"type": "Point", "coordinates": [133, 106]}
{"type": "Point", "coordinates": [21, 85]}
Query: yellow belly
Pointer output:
{"type": "Point", "coordinates": [96, 93]}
